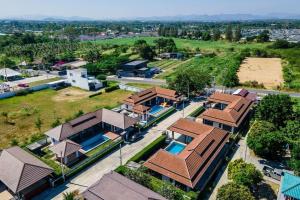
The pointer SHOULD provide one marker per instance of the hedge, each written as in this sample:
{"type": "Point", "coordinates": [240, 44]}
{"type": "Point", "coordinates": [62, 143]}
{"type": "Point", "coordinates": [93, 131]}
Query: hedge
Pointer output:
{"type": "Point", "coordinates": [197, 112]}
{"type": "Point", "coordinates": [95, 94]}
{"type": "Point", "coordinates": [148, 150]}
{"type": "Point", "coordinates": [112, 88]}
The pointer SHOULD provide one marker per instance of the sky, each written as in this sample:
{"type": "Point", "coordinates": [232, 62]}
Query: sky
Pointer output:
{"type": "Point", "coordinates": [114, 9]}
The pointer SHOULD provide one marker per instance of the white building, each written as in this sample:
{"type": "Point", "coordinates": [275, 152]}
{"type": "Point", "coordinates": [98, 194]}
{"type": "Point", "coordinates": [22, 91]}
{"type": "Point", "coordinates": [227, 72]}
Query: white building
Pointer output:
{"type": "Point", "coordinates": [79, 78]}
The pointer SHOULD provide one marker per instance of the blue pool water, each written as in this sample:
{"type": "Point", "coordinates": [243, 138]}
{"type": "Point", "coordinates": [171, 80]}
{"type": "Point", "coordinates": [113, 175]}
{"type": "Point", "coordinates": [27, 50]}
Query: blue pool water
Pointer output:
{"type": "Point", "coordinates": [175, 148]}
{"type": "Point", "coordinates": [93, 142]}
{"type": "Point", "coordinates": [155, 109]}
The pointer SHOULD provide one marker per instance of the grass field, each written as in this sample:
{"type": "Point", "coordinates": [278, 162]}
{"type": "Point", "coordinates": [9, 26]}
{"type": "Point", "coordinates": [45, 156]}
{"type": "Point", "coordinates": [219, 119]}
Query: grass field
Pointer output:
{"type": "Point", "coordinates": [43, 81]}
{"type": "Point", "coordinates": [141, 85]}
{"type": "Point", "coordinates": [23, 111]}
{"type": "Point", "coordinates": [186, 43]}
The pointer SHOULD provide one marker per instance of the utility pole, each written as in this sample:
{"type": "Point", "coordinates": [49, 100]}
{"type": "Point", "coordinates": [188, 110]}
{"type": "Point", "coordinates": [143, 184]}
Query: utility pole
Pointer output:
{"type": "Point", "coordinates": [121, 163]}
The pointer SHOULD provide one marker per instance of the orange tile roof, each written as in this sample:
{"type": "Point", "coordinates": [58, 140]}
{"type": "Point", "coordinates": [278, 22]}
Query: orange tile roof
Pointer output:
{"type": "Point", "coordinates": [188, 166]}
{"type": "Point", "coordinates": [146, 95]}
{"type": "Point", "coordinates": [237, 109]}
{"type": "Point", "coordinates": [141, 109]}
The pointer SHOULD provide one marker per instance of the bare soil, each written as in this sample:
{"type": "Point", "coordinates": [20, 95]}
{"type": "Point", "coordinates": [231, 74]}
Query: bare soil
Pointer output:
{"type": "Point", "coordinates": [263, 70]}
{"type": "Point", "coordinates": [71, 94]}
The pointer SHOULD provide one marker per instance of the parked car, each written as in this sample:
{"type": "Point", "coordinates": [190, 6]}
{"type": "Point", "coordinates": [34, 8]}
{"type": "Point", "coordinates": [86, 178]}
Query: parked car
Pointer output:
{"type": "Point", "coordinates": [273, 173]}
{"type": "Point", "coordinates": [24, 85]}
{"type": "Point", "coordinates": [136, 138]}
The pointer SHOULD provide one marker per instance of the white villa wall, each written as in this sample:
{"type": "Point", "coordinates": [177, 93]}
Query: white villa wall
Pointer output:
{"type": "Point", "coordinates": [75, 78]}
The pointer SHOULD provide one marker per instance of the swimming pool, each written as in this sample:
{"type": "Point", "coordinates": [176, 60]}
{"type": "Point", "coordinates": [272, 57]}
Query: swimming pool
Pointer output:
{"type": "Point", "coordinates": [175, 147]}
{"type": "Point", "coordinates": [155, 109]}
{"type": "Point", "coordinates": [93, 142]}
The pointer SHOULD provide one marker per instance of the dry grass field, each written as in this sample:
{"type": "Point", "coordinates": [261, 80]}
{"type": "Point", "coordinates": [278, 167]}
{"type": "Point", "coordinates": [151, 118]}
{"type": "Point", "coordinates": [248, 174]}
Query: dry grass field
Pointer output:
{"type": "Point", "coordinates": [263, 70]}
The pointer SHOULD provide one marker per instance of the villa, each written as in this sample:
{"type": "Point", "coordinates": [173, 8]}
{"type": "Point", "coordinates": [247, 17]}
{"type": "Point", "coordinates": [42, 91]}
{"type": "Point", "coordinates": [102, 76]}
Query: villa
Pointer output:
{"type": "Point", "coordinates": [91, 130]}
{"type": "Point", "coordinates": [114, 186]}
{"type": "Point", "coordinates": [23, 174]}
{"type": "Point", "coordinates": [227, 111]}
{"type": "Point", "coordinates": [137, 68]}
{"type": "Point", "coordinates": [151, 102]}
{"type": "Point", "coordinates": [192, 157]}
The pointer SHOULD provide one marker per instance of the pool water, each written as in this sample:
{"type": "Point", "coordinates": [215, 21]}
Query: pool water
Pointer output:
{"type": "Point", "coordinates": [93, 142]}
{"type": "Point", "coordinates": [175, 148]}
{"type": "Point", "coordinates": [155, 109]}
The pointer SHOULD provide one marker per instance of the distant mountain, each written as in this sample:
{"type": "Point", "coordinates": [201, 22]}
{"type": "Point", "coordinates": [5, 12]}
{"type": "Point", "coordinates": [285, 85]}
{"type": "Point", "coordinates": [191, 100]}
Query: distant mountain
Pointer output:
{"type": "Point", "coordinates": [200, 18]}
{"type": "Point", "coordinates": [220, 17]}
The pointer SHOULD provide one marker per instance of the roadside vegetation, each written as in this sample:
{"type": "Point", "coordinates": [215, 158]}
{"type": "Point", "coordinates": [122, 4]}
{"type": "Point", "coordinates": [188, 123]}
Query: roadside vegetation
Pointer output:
{"type": "Point", "coordinates": [276, 130]}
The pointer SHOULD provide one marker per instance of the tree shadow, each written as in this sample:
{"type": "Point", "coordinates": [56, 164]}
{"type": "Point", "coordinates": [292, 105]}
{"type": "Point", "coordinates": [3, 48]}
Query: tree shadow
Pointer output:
{"type": "Point", "coordinates": [265, 191]}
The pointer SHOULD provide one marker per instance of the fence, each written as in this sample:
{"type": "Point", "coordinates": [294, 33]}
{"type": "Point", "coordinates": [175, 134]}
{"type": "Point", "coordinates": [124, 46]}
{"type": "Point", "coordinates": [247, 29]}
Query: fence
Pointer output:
{"type": "Point", "coordinates": [27, 90]}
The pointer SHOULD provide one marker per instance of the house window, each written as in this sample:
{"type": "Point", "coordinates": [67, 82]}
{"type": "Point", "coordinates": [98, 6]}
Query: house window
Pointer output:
{"type": "Point", "coordinates": [227, 128]}
{"type": "Point", "coordinates": [73, 81]}
{"type": "Point", "coordinates": [71, 74]}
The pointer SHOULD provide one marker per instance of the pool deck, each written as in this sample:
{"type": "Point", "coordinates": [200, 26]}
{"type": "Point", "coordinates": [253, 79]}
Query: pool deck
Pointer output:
{"type": "Point", "coordinates": [112, 135]}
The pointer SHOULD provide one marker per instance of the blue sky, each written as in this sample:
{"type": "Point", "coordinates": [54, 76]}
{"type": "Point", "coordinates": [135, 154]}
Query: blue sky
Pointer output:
{"type": "Point", "coordinates": [104, 9]}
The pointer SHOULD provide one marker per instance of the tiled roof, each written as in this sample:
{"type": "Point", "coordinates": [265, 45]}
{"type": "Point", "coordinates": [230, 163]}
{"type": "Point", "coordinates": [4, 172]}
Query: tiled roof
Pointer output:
{"type": "Point", "coordinates": [290, 185]}
{"type": "Point", "coordinates": [188, 166]}
{"type": "Point", "coordinates": [237, 109]}
{"type": "Point", "coordinates": [113, 186]}
{"type": "Point", "coordinates": [151, 93]}
{"type": "Point", "coordinates": [65, 148]}
{"type": "Point", "coordinates": [141, 109]}
{"type": "Point", "coordinates": [88, 120]}
{"type": "Point", "coordinates": [19, 169]}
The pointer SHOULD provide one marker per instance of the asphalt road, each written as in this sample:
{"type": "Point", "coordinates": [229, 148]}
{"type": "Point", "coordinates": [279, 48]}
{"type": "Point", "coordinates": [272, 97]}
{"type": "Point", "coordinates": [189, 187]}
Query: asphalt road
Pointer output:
{"type": "Point", "coordinates": [163, 82]}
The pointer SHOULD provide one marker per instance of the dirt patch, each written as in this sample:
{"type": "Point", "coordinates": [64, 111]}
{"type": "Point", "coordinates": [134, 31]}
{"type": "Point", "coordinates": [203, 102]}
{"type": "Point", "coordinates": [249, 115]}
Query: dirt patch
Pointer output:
{"type": "Point", "coordinates": [263, 70]}
{"type": "Point", "coordinates": [71, 94]}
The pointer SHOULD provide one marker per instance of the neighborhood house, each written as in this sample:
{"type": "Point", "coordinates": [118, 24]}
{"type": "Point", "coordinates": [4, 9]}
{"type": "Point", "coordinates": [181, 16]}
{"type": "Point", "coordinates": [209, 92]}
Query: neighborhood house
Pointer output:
{"type": "Point", "coordinates": [90, 130]}
{"type": "Point", "coordinates": [226, 111]}
{"type": "Point", "coordinates": [8, 74]}
{"type": "Point", "coordinates": [193, 155]}
{"type": "Point", "coordinates": [137, 68]}
{"type": "Point", "coordinates": [289, 187]}
{"type": "Point", "coordinates": [23, 174]}
{"type": "Point", "coordinates": [113, 186]}
{"type": "Point", "coordinates": [151, 102]}
{"type": "Point", "coordinates": [79, 78]}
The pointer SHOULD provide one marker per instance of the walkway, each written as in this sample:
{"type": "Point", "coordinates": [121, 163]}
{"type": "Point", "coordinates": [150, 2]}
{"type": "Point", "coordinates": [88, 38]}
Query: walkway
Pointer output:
{"type": "Point", "coordinates": [95, 172]}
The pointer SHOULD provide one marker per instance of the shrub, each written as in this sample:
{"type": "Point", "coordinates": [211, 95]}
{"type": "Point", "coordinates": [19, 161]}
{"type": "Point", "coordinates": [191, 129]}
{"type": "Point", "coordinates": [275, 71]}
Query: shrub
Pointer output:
{"type": "Point", "coordinates": [23, 92]}
{"type": "Point", "coordinates": [148, 150]}
{"type": "Point", "coordinates": [112, 88]}
{"type": "Point", "coordinates": [253, 84]}
{"type": "Point", "coordinates": [101, 77]}
{"type": "Point", "coordinates": [234, 191]}
{"type": "Point", "coordinates": [95, 94]}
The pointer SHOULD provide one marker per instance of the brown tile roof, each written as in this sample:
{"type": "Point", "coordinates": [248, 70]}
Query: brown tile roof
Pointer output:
{"type": "Point", "coordinates": [65, 148]}
{"type": "Point", "coordinates": [188, 166]}
{"type": "Point", "coordinates": [88, 120]}
{"type": "Point", "coordinates": [237, 109]}
{"type": "Point", "coordinates": [19, 169]}
{"type": "Point", "coordinates": [151, 93]}
{"type": "Point", "coordinates": [141, 109]}
{"type": "Point", "coordinates": [113, 186]}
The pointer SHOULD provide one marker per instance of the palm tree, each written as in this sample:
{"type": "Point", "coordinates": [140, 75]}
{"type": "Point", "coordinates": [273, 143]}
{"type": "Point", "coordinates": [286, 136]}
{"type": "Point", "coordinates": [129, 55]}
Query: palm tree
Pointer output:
{"type": "Point", "coordinates": [69, 196]}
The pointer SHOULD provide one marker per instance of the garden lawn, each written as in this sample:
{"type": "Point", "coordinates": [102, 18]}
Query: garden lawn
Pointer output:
{"type": "Point", "coordinates": [43, 81]}
{"type": "Point", "coordinates": [141, 85]}
{"type": "Point", "coordinates": [23, 112]}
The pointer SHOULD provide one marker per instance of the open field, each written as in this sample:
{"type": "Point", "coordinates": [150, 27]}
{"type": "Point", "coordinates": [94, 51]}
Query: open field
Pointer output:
{"type": "Point", "coordinates": [44, 81]}
{"type": "Point", "coordinates": [185, 43]}
{"type": "Point", "coordinates": [263, 70]}
{"type": "Point", "coordinates": [141, 85]}
{"type": "Point", "coordinates": [23, 111]}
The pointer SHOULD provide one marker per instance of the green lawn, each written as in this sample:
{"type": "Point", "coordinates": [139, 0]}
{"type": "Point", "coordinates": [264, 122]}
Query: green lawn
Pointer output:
{"type": "Point", "coordinates": [140, 85]}
{"type": "Point", "coordinates": [49, 105]}
{"type": "Point", "coordinates": [44, 81]}
{"type": "Point", "coordinates": [185, 43]}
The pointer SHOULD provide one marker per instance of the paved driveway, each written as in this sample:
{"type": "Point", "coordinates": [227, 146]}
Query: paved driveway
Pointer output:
{"type": "Point", "coordinates": [95, 172]}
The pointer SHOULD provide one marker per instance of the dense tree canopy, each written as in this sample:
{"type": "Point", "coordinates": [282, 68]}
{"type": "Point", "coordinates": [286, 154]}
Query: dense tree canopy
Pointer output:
{"type": "Point", "coordinates": [234, 191]}
{"type": "Point", "coordinates": [266, 141]}
{"type": "Point", "coordinates": [190, 81]}
{"type": "Point", "coordinates": [244, 173]}
{"type": "Point", "coordinates": [276, 109]}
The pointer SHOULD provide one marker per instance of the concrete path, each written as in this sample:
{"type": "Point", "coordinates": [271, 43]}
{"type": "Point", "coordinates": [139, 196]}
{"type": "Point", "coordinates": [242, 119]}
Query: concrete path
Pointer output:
{"type": "Point", "coordinates": [95, 172]}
